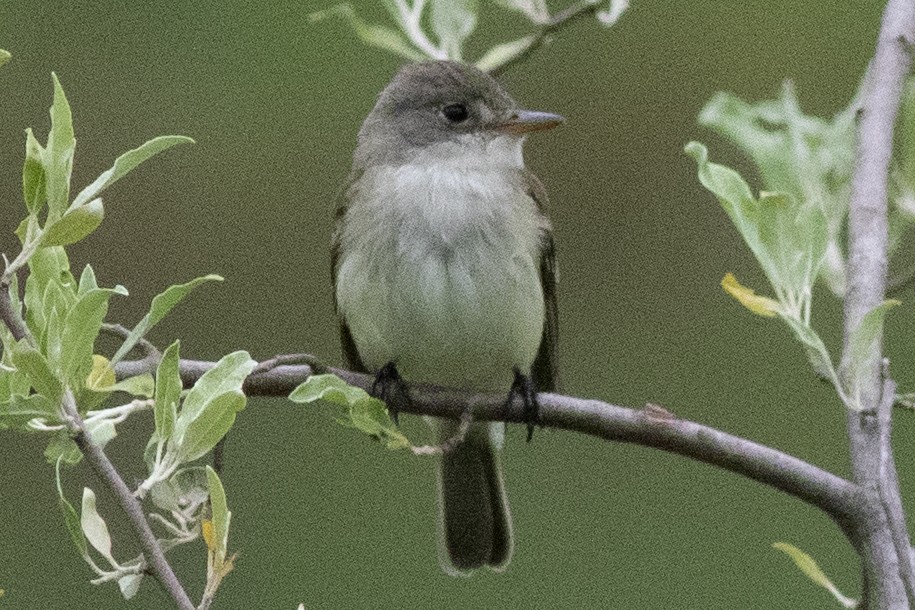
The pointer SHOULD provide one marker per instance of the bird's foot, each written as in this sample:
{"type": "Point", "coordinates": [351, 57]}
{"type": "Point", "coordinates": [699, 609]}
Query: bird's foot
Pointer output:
{"type": "Point", "coordinates": [523, 388]}
{"type": "Point", "coordinates": [390, 387]}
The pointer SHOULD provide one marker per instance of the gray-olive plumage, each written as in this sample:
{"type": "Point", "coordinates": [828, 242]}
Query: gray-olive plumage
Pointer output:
{"type": "Point", "coordinates": [443, 264]}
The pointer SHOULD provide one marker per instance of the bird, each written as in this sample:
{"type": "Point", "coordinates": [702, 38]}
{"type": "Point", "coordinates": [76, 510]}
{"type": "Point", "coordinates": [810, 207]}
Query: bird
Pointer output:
{"type": "Point", "coordinates": [444, 272]}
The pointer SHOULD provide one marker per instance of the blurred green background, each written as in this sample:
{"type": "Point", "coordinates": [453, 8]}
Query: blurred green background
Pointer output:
{"type": "Point", "coordinates": [323, 515]}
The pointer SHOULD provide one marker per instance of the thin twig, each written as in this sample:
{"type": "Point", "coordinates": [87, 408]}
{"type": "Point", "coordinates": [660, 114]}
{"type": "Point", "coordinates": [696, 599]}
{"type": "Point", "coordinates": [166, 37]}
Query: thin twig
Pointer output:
{"type": "Point", "coordinates": [836, 496]}
{"type": "Point", "coordinates": [583, 8]}
{"type": "Point", "coordinates": [889, 488]}
{"type": "Point", "coordinates": [867, 265]}
{"type": "Point", "coordinates": [8, 314]}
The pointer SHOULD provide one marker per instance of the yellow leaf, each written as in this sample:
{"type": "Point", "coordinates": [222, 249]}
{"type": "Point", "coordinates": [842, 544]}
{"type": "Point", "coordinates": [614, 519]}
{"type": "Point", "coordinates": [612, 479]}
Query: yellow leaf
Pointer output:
{"type": "Point", "coordinates": [209, 535]}
{"type": "Point", "coordinates": [811, 570]}
{"type": "Point", "coordinates": [760, 305]}
{"type": "Point", "coordinates": [102, 375]}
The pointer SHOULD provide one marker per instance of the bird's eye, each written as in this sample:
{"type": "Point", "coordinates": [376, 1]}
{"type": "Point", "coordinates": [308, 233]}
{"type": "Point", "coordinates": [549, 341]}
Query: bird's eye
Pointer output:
{"type": "Point", "coordinates": [456, 113]}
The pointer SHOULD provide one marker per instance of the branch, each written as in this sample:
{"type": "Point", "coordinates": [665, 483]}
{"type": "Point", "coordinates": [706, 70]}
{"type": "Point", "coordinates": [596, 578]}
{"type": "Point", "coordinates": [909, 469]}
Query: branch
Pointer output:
{"type": "Point", "coordinates": [650, 427]}
{"type": "Point", "coordinates": [8, 314]}
{"type": "Point", "coordinates": [583, 8]}
{"type": "Point", "coordinates": [106, 471]}
{"type": "Point", "coordinates": [867, 263]}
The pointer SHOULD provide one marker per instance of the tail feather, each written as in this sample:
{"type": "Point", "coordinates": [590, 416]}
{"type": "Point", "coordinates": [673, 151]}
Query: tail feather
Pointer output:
{"type": "Point", "coordinates": [476, 526]}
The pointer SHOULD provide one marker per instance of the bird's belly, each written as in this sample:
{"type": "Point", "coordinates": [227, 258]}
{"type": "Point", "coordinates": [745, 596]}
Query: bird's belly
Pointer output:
{"type": "Point", "coordinates": [457, 318]}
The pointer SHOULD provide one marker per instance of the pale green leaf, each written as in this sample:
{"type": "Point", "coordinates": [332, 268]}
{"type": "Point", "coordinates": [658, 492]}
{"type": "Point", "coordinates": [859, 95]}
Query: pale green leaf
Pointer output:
{"type": "Point", "coordinates": [87, 281]}
{"type": "Point", "coordinates": [227, 376]}
{"type": "Point", "coordinates": [61, 448]}
{"type": "Point", "coordinates": [615, 10]}
{"type": "Point", "coordinates": [130, 585]}
{"type": "Point", "coordinates": [17, 410]}
{"type": "Point", "coordinates": [94, 527]}
{"type": "Point", "coordinates": [378, 36]}
{"type": "Point", "coordinates": [5, 56]}
{"type": "Point", "coordinates": [127, 162]}
{"type": "Point", "coordinates": [71, 519]}
{"type": "Point", "coordinates": [358, 409]}
{"type": "Point", "coordinates": [73, 226]}
{"type": "Point", "coordinates": [168, 391]}
{"type": "Point", "coordinates": [220, 514]}
{"type": "Point", "coordinates": [864, 350]}
{"type": "Point", "coordinates": [816, 350]}
{"type": "Point", "coordinates": [161, 305]}
{"type": "Point", "coordinates": [81, 328]}
{"type": "Point", "coordinates": [33, 174]}
{"type": "Point", "coordinates": [503, 53]}
{"type": "Point", "coordinates": [184, 490]}
{"type": "Point", "coordinates": [329, 388]}
{"type": "Point", "coordinates": [208, 426]}
{"type": "Point", "coordinates": [453, 21]}
{"type": "Point", "coordinates": [58, 157]}
{"type": "Point", "coordinates": [141, 385]}
{"type": "Point", "coordinates": [811, 570]}
{"type": "Point", "coordinates": [33, 365]}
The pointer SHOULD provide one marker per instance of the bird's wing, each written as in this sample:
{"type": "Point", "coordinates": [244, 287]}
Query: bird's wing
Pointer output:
{"type": "Point", "coordinates": [351, 356]}
{"type": "Point", "coordinates": [545, 370]}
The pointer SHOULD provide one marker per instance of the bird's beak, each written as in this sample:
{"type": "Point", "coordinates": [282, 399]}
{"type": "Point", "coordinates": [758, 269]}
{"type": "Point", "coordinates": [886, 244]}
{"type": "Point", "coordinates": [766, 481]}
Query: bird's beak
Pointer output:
{"type": "Point", "coordinates": [525, 121]}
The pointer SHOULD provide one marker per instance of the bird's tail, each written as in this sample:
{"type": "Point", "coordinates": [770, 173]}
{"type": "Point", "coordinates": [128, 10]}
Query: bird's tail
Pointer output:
{"type": "Point", "coordinates": [475, 522]}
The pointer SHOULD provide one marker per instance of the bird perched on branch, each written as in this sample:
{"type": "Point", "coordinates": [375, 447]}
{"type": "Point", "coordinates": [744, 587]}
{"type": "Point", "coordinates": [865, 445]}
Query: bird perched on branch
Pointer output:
{"type": "Point", "coordinates": [444, 273]}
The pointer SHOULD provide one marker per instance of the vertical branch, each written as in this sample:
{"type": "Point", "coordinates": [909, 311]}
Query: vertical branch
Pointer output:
{"type": "Point", "coordinates": [103, 467]}
{"type": "Point", "coordinates": [867, 263]}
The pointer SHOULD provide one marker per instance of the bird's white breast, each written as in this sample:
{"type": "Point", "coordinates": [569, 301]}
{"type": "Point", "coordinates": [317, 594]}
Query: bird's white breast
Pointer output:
{"type": "Point", "coordinates": [439, 267]}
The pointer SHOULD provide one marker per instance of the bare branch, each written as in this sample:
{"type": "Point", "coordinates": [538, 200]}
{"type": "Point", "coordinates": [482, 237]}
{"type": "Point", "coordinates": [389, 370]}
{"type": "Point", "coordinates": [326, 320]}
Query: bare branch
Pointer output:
{"type": "Point", "coordinates": [650, 427]}
{"type": "Point", "coordinates": [8, 314]}
{"type": "Point", "coordinates": [867, 264]}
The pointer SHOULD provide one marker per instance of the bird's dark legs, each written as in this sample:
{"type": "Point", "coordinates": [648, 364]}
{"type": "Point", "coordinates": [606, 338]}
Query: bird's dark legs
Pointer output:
{"type": "Point", "coordinates": [390, 387]}
{"type": "Point", "coordinates": [523, 388]}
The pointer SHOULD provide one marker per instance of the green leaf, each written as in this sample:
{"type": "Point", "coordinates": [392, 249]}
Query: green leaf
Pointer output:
{"type": "Point", "coordinates": [161, 305]}
{"type": "Point", "coordinates": [87, 281]}
{"type": "Point", "coordinates": [209, 426]}
{"type": "Point", "coordinates": [811, 570]}
{"type": "Point", "coordinates": [141, 385]}
{"type": "Point", "coordinates": [501, 54]}
{"type": "Point", "coordinates": [185, 490]}
{"type": "Point", "coordinates": [33, 174]}
{"type": "Point", "coordinates": [71, 519]}
{"type": "Point", "coordinates": [359, 410]}
{"type": "Point", "coordinates": [221, 515]}
{"type": "Point", "coordinates": [33, 365]}
{"type": "Point", "coordinates": [863, 350]}
{"type": "Point", "coordinates": [130, 585]}
{"type": "Point", "coordinates": [5, 56]}
{"type": "Point", "coordinates": [58, 157]}
{"type": "Point", "coordinates": [168, 391]}
{"type": "Point", "coordinates": [61, 448]}
{"type": "Point", "coordinates": [378, 36]}
{"type": "Point", "coordinates": [535, 10]}
{"type": "Point", "coordinates": [615, 10]}
{"type": "Point", "coordinates": [76, 224]}
{"type": "Point", "coordinates": [94, 527]}
{"type": "Point", "coordinates": [81, 327]}
{"type": "Point", "coordinates": [227, 376]}
{"type": "Point", "coordinates": [453, 21]}
{"type": "Point", "coordinates": [127, 162]}
{"type": "Point", "coordinates": [328, 388]}
{"type": "Point", "coordinates": [16, 411]}
{"type": "Point", "coordinates": [816, 350]}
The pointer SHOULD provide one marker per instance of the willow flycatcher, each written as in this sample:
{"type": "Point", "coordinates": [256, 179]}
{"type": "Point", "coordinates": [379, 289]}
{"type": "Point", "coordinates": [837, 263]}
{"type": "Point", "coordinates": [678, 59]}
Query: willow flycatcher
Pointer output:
{"type": "Point", "coordinates": [444, 273]}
